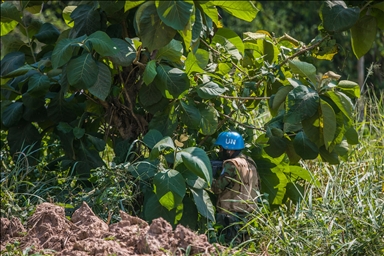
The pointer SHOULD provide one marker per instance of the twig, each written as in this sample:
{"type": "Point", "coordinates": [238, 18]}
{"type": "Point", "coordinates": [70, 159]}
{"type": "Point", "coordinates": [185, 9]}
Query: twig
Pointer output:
{"type": "Point", "coordinates": [241, 124]}
{"type": "Point", "coordinates": [304, 50]}
{"type": "Point", "coordinates": [219, 53]}
{"type": "Point", "coordinates": [244, 98]}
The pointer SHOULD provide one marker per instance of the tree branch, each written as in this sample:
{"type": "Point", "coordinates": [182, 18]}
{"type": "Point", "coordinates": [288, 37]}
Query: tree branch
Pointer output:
{"type": "Point", "coordinates": [304, 50]}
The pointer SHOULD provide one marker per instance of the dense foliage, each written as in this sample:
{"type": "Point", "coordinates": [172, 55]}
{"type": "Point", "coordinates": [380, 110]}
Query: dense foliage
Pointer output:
{"type": "Point", "coordinates": [150, 84]}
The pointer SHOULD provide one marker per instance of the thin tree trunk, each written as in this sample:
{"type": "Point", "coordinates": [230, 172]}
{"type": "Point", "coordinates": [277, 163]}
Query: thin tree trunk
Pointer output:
{"type": "Point", "coordinates": [360, 79]}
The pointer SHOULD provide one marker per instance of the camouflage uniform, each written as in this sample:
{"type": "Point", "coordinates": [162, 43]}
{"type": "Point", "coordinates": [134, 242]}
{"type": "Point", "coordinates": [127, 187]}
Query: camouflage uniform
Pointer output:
{"type": "Point", "coordinates": [236, 189]}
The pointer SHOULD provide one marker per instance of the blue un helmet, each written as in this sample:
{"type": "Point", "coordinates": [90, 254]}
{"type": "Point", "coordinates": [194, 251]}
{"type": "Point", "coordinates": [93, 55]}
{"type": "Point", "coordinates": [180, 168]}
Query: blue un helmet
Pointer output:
{"type": "Point", "coordinates": [230, 140]}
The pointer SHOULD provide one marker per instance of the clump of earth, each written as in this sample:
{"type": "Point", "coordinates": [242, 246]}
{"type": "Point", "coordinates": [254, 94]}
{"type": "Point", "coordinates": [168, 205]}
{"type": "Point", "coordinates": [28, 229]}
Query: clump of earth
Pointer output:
{"type": "Point", "coordinates": [48, 230]}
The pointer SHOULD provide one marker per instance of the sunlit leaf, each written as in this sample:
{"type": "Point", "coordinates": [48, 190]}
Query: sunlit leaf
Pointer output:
{"type": "Point", "coordinates": [160, 146]}
{"type": "Point", "coordinates": [210, 90]}
{"type": "Point", "coordinates": [170, 188]}
{"type": "Point", "coordinates": [7, 27]}
{"type": "Point", "coordinates": [132, 4]}
{"type": "Point", "coordinates": [244, 10]}
{"type": "Point", "coordinates": [304, 69]}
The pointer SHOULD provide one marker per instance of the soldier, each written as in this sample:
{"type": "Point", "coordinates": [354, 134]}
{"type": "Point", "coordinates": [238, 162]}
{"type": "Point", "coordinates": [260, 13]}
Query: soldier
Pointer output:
{"type": "Point", "coordinates": [236, 186]}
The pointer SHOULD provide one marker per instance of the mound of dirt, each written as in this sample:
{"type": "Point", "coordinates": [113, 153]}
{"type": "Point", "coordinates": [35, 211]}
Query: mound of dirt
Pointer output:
{"type": "Point", "coordinates": [86, 234]}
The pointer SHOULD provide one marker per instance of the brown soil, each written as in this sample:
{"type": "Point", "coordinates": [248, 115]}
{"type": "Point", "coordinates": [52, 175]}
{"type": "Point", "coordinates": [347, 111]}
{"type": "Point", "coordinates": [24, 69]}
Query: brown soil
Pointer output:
{"type": "Point", "coordinates": [86, 234]}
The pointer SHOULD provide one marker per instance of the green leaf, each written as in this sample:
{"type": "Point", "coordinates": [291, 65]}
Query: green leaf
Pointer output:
{"type": "Point", "coordinates": [276, 145]}
{"type": "Point", "coordinates": [165, 121]}
{"type": "Point", "coordinates": [150, 72]}
{"type": "Point", "coordinates": [280, 96]}
{"type": "Point", "coordinates": [103, 44]}
{"type": "Point", "coordinates": [244, 10]}
{"type": "Point", "coordinates": [302, 173]}
{"type": "Point", "coordinates": [196, 62]}
{"type": "Point", "coordinates": [329, 123]}
{"type": "Point", "coordinates": [342, 101]}
{"type": "Point", "coordinates": [352, 136]}
{"type": "Point", "coordinates": [303, 69]}
{"type": "Point", "coordinates": [153, 209]}
{"type": "Point", "coordinates": [160, 146]}
{"type": "Point", "coordinates": [232, 37]}
{"type": "Point", "coordinates": [170, 188]}
{"type": "Point", "coordinates": [126, 52]}
{"type": "Point", "coordinates": [11, 62]}
{"type": "Point", "coordinates": [210, 90]}
{"type": "Point", "coordinates": [363, 34]}
{"type": "Point", "coordinates": [330, 157]}
{"type": "Point", "coordinates": [78, 132]}
{"type": "Point", "coordinates": [174, 13]}
{"type": "Point", "coordinates": [7, 27]}
{"type": "Point", "coordinates": [349, 88]}
{"type": "Point", "coordinates": [61, 110]}
{"type": "Point", "coordinates": [172, 52]}
{"type": "Point", "coordinates": [228, 46]}
{"type": "Point", "coordinates": [87, 20]}
{"type": "Point", "coordinates": [149, 95]}
{"type": "Point", "coordinates": [302, 102]}
{"type": "Point", "coordinates": [197, 161]}
{"type": "Point", "coordinates": [190, 114]}
{"type": "Point", "coordinates": [47, 34]}
{"type": "Point", "coordinates": [24, 137]}
{"type": "Point", "coordinates": [64, 127]}
{"type": "Point", "coordinates": [63, 51]}
{"type": "Point", "coordinates": [273, 180]}
{"type": "Point", "coordinates": [82, 72]}
{"type": "Point", "coordinates": [20, 71]}
{"type": "Point", "coordinates": [143, 170]}
{"type": "Point", "coordinates": [132, 4]}
{"type": "Point", "coordinates": [203, 203]}
{"type": "Point", "coordinates": [111, 7]}
{"type": "Point", "coordinates": [304, 147]}
{"type": "Point", "coordinates": [153, 32]}
{"type": "Point", "coordinates": [171, 82]}
{"type": "Point", "coordinates": [38, 85]}
{"type": "Point", "coordinates": [209, 121]}
{"type": "Point", "coordinates": [9, 12]}
{"type": "Point", "coordinates": [102, 86]}
{"type": "Point", "coordinates": [12, 114]}
{"type": "Point", "coordinates": [152, 137]}
{"type": "Point", "coordinates": [337, 17]}
{"type": "Point", "coordinates": [67, 15]}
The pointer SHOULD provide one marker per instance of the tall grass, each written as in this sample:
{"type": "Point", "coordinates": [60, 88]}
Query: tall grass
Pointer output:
{"type": "Point", "coordinates": [344, 216]}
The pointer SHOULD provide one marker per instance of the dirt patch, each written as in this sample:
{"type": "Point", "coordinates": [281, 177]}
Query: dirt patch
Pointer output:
{"type": "Point", "coordinates": [86, 234]}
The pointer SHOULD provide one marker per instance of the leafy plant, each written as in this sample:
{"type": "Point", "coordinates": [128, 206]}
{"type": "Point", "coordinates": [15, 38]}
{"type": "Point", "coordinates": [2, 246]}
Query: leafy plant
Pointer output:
{"type": "Point", "coordinates": [168, 70]}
